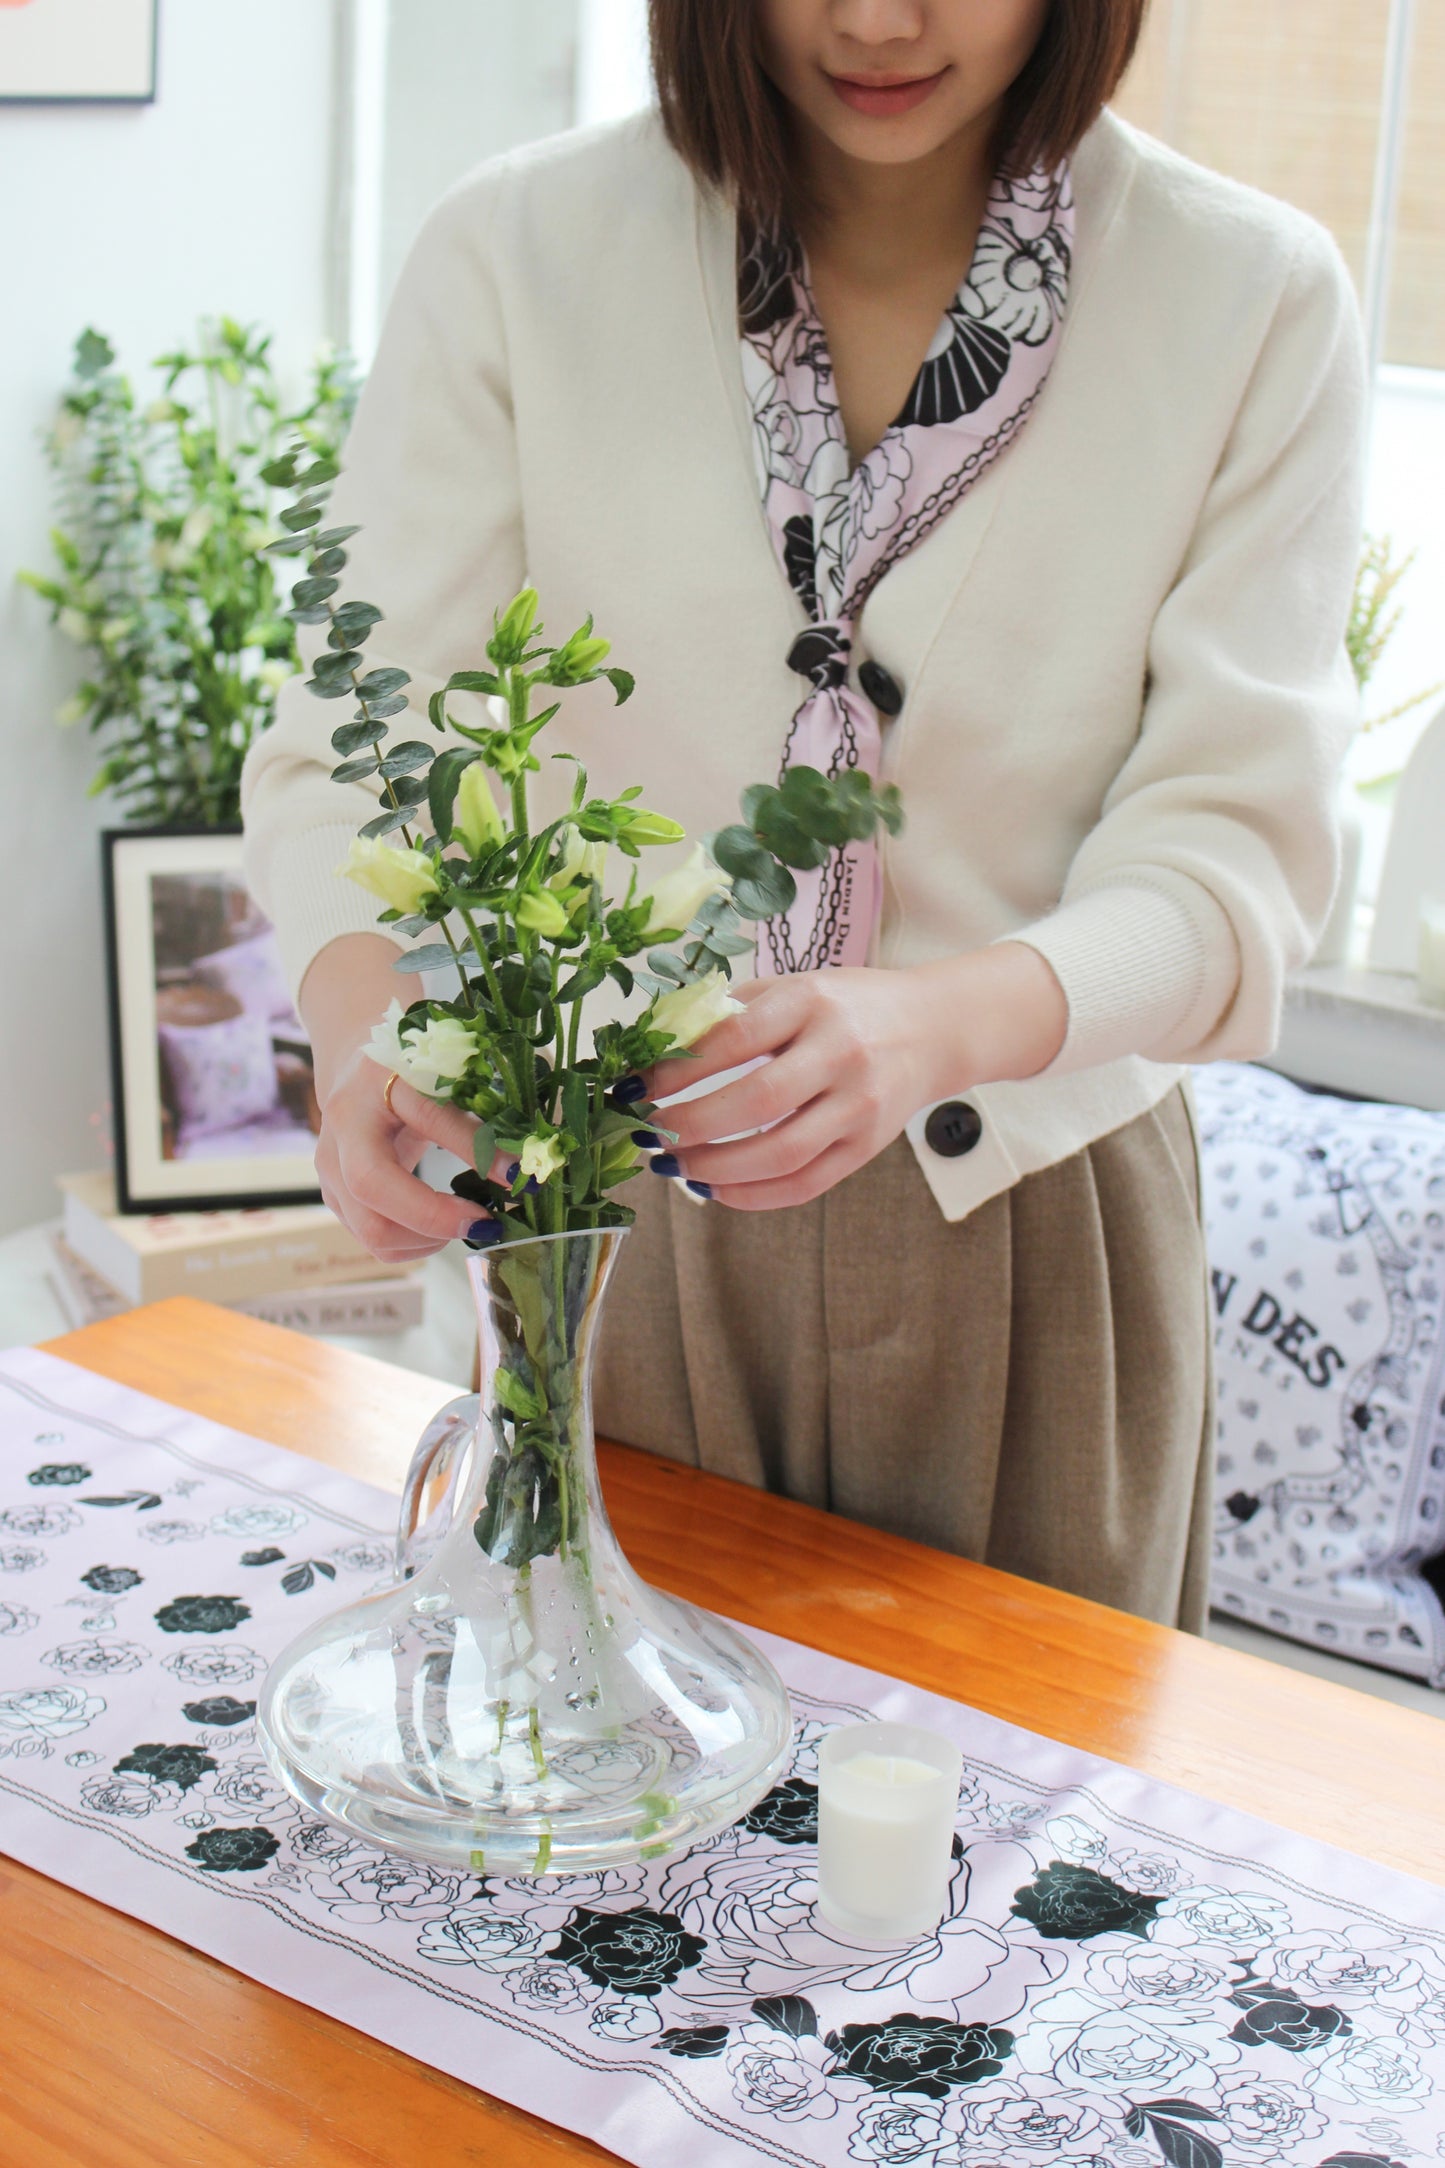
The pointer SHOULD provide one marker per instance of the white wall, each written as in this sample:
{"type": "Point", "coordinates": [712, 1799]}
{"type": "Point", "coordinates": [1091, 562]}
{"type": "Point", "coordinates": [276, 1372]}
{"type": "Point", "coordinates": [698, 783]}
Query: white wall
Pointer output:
{"type": "Point", "coordinates": [135, 219]}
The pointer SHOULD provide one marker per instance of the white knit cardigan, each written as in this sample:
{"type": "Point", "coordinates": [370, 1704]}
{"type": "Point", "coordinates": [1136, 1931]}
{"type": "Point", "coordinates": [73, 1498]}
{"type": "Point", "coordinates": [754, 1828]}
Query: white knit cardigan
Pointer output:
{"type": "Point", "coordinates": [1126, 690]}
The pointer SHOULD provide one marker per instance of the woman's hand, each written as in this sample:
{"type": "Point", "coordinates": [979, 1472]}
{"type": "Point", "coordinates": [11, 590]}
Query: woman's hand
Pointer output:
{"type": "Point", "coordinates": [366, 1151]}
{"type": "Point", "coordinates": [847, 1057]}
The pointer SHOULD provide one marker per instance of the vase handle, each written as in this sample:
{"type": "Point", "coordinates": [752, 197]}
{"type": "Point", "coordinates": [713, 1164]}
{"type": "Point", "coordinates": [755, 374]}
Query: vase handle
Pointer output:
{"type": "Point", "coordinates": [429, 1494]}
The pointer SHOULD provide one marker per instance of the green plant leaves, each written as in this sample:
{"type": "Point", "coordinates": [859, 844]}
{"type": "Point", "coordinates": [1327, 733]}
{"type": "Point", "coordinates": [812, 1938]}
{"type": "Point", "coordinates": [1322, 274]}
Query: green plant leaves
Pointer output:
{"type": "Point", "coordinates": [761, 887]}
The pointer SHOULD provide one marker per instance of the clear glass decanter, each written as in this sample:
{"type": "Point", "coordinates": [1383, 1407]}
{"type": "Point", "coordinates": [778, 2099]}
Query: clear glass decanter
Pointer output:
{"type": "Point", "coordinates": [520, 1701]}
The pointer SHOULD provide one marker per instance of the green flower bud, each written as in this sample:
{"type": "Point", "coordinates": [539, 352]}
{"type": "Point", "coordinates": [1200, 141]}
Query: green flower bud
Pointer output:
{"type": "Point", "coordinates": [514, 628]}
{"type": "Point", "coordinates": [579, 658]}
{"type": "Point", "coordinates": [642, 827]}
{"type": "Point", "coordinates": [476, 819]}
{"type": "Point", "coordinates": [542, 912]}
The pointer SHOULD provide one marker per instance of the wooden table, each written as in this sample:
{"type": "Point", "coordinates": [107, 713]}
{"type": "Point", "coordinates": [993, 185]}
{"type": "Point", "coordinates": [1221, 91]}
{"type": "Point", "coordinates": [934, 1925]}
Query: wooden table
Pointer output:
{"type": "Point", "coordinates": [121, 2048]}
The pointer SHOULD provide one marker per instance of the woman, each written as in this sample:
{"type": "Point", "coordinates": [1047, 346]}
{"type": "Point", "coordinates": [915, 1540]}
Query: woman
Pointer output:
{"type": "Point", "coordinates": [889, 401]}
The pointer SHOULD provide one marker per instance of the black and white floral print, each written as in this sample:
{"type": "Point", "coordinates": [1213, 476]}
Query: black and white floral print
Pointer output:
{"type": "Point", "coordinates": [33, 1718]}
{"type": "Point", "coordinates": [45, 1517]}
{"type": "Point", "coordinates": [202, 1615]}
{"type": "Point", "coordinates": [59, 1473]}
{"type": "Point", "coordinates": [18, 1618]}
{"type": "Point", "coordinates": [1117, 1981]}
{"type": "Point", "coordinates": [1019, 280]}
{"type": "Point", "coordinates": [20, 1558]}
{"type": "Point", "coordinates": [111, 1580]}
{"type": "Point", "coordinates": [165, 1533]}
{"type": "Point", "coordinates": [263, 1518]}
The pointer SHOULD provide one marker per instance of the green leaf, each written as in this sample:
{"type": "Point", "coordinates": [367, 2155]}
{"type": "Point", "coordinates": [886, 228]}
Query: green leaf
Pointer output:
{"type": "Point", "coordinates": [484, 1147]}
{"type": "Point", "coordinates": [393, 817]}
{"type": "Point", "coordinates": [329, 688]}
{"type": "Point", "coordinates": [582, 981]}
{"type": "Point", "coordinates": [297, 517]}
{"type": "Point", "coordinates": [324, 561]}
{"type": "Point", "coordinates": [355, 619]}
{"type": "Point", "coordinates": [351, 771]}
{"type": "Point", "coordinates": [403, 758]}
{"type": "Point", "coordinates": [514, 1393]}
{"type": "Point", "coordinates": [622, 683]}
{"type": "Point", "coordinates": [379, 684]}
{"type": "Point", "coordinates": [623, 977]}
{"type": "Point", "coordinates": [434, 957]}
{"type": "Point", "coordinates": [332, 537]}
{"type": "Point", "coordinates": [352, 736]}
{"type": "Point", "coordinates": [473, 681]}
{"type": "Point", "coordinates": [396, 705]}
{"type": "Point", "coordinates": [93, 352]}
{"type": "Point", "coordinates": [280, 473]}
{"type": "Point", "coordinates": [336, 663]}
{"type": "Point", "coordinates": [307, 593]}
{"type": "Point", "coordinates": [409, 790]}
{"type": "Point", "coordinates": [443, 784]}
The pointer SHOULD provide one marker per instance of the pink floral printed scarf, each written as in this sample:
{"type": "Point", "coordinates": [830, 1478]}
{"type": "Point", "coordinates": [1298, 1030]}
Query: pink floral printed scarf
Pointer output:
{"type": "Point", "coordinates": [836, 533]}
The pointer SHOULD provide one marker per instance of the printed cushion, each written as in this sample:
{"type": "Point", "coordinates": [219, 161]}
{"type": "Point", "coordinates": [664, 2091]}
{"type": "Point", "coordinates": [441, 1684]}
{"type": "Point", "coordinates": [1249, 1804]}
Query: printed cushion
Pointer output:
{"type": "Point", "coordinates": [221, 1075]}
{"type": "Point", "coordinates": [1326, 1231]}
{"type": "Point", "coordinates": [251, 972]}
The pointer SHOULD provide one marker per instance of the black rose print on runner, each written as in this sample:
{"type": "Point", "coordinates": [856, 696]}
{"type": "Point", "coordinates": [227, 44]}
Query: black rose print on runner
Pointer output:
{"type": "Point", "coordinates": [202, 1614]}
{"type": "Point", "coordinates": [59, 1472]}
{"type": "Point", "coordinates": [1275, 2017]}
{"type": "Point", "coordinates": [233, 1851]}
{"type": "Point", "coordinates": [638, 1952]}
{"type": "Point", "coordinates": [220, 1709]}
{"type": "Point", "coordinates": [268, 1555]}
{"type": "Point", "coordinates": [925, 2055]}
{"type": "Point", "coordinates": [698, 2042]}
{"type": "Point", "coordinates": [112, 1580]}
{"type": "Point", "coordinates": [179, 1765]}
{"type": "Point", "coordinates": [1075, 1903]}
{"type": "Point", "coordinates": [789, 1813]}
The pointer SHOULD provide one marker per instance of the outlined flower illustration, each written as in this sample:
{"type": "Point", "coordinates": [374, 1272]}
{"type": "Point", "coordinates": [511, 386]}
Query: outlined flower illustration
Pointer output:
{"type": "Point", "coordinates": [780, 2074]}
{"type": "Point", "coordinates": [370, 1885]}
{"type": "Point", "coordinates": [59, 1474]}
{"type": "Point", "coordinates": [112, 1580]}
{"type": "Point", "coordinates": [17, 1618]}
{"type": "Point", "coordinates": [1190, 1980]}
{"type": "Point", "coordinates": [33, 1718]}
{"type": "Point", "coordinates": [903, 2134]}
{"type": "Point", "coordinates": [202, 1614]}
{"type": "Point", "coordinates": [125, 1798]}
{"type": "Point", "coordinates": [226, 1663]}
{"type": "Point", "coordinates": [1237, 1919]}
{"type": "Point", "coordinates": [46, 1518]}
{"type": "Point", "coordinates": [271, 1517]}
{"type": "Point", "coordinates": [478, 1936]}
{"type": "Point", "coordinates": [546, 1985]}
{"type": "Point", "coordinates": [232, 1851]}
{"type": "Point", "coordinates": [1380, 2073]}
{"type": "Point", "coordinates": [364, 1557]}
{"type": "Point", "coordinates": [1014, 2128]}
{"type": "Point", "coordinates": [634, 2017]}
{"type": "Point", "coordinates": [1087, 2042]}
{"type": "Point", "coordinates": [320, 1840]}
{"type": "Point", "coordinates": [96, 1659]}
{"type": "Point", "coordinates": [1018, 280]}
{"type": "Point", "coordinates": [1266, 2116]}
{"type": "Point", "coordinates": [168, 1532]}
{"type": "Point", "coordinates": [246, 1791]}
{"type": "Point", "coordinates": [20, 1558]}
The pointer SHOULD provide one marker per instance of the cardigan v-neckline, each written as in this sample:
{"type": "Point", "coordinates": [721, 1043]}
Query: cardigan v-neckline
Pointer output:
{"type": "Point", "coordinates": [1100, 174]}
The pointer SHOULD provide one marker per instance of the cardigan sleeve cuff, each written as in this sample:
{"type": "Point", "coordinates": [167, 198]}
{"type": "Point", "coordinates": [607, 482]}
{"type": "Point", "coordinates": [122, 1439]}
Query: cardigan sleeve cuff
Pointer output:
{"type": "Point", "coordinates": [310, 903]}
{"type": "Point", "coordinates": [1147, 965]}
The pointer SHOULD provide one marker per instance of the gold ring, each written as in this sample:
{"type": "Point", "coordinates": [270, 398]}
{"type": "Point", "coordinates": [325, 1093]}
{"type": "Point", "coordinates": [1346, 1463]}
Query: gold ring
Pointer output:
{"type": "Point", "coordinates": [387, 1089]}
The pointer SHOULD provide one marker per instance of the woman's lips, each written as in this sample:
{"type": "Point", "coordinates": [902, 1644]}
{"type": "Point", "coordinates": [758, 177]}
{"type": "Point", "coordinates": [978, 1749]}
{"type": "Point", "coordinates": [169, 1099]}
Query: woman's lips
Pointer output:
{"type": "Point", "coordinates": [882, 97]}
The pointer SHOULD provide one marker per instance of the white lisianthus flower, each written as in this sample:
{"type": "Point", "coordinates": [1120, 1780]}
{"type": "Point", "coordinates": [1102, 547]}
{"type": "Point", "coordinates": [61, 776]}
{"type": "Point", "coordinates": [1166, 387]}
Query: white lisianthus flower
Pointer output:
{"type": "Point", "coordinates": [694, 1009]}
{"type": "Point", "coordinates": [403, 879]}
{"type": "Point", "coordinates": [541, 1157]}
{"type": "Point", "coordinates": [424, 1059]}
{"type": "Point", "coordinates": [678, 896]}
{"type": "Point", "coordinates": [476, 819]}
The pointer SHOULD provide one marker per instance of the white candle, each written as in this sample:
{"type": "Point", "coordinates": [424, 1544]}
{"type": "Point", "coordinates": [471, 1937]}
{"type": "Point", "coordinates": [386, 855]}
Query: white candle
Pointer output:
{"type": "Point", "coordinates": [887, 1796]}
{"type": "Point", "coordinates": [1430, 968]}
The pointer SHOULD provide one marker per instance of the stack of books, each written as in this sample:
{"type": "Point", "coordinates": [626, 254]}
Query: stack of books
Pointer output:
{"type": "Point", "coordinates": [291, 1264]}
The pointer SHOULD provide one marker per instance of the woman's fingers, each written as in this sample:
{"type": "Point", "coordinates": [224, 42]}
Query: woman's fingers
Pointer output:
{"type": "Point", "coordinates": [773, 1012]}
{"type": "Point", "coordinates": [833, 1165]}
{"type": "Point", "coordinates": [434, 1119]}
{"type": "Point", "coordinates": [784, 1150]}
{"type": "Point", "coordinates": [376, 1181]}
{"type": "Point", "coordinates": [769, 1094]}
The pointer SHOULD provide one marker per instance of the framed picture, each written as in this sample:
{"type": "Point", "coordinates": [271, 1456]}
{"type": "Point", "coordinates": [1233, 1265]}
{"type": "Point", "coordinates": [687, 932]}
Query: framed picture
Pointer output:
{"type": "Point", "coordinates": [215, 1103]}
{"type": "Point", "coordinates": [78, 51]}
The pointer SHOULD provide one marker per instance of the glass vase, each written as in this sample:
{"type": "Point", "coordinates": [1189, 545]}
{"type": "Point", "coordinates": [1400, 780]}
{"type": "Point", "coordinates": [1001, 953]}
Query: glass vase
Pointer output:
{"type": "Point", "coordinates": [521, 1701]}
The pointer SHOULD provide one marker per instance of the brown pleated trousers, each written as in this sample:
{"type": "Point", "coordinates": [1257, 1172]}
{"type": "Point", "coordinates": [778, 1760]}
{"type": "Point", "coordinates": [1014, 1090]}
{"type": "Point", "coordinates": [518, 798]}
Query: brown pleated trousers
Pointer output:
{"type": "Point", "coordinates": [1030, 1386]}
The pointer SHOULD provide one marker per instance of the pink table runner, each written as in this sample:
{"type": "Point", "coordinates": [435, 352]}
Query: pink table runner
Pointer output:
{"type": "Point", "coordinates": [1129, 1977]}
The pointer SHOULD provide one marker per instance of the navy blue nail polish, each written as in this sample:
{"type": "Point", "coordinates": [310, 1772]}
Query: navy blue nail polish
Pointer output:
{"type": "Point", "coordinates": [665, 1163]}
{"type": "Point", "coordinates": [482, 1234]}
{"type": "Point", "coordinates": [629, 1090]}
{"type": "Point", "coordinates": [514, 1170]}
{"type": "Point", "coordinates": [647, 1140]}
{"type": "Point", "coordinates": [700, 1189]}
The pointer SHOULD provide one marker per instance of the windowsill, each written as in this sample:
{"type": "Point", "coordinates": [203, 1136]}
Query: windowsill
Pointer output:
{"type": "Point", "coordinates": [1371, 1033]}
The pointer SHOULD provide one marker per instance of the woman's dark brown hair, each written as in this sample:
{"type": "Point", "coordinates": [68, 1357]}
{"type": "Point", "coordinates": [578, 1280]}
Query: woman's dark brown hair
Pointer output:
{"type": "Point", "coordinates": [724, 116]}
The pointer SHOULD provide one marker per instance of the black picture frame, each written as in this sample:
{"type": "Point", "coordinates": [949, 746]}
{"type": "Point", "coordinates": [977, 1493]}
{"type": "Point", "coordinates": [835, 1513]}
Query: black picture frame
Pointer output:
{"type": "Point", "coordinates": [146, 1176]}
{"type": "Point", "coordinates": [71, 58]}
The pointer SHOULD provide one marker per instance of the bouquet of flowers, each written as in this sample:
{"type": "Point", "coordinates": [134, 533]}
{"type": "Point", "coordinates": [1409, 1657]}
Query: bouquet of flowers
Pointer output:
{"type": "Point", "coordinates": [524, 914]}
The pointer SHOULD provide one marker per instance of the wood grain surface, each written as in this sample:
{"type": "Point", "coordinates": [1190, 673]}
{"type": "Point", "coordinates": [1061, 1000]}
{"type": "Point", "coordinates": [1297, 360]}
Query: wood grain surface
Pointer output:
{"type": "Point", "coordinates": [121, 2048]}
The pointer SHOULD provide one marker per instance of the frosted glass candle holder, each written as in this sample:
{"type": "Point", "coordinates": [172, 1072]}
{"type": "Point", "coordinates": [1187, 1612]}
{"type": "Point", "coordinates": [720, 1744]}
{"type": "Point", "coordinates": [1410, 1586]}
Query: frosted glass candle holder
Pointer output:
{"type": "Point", "coordinates": [1430, 968]}
{"type": "Point", "coordinates": [887, 1797]}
